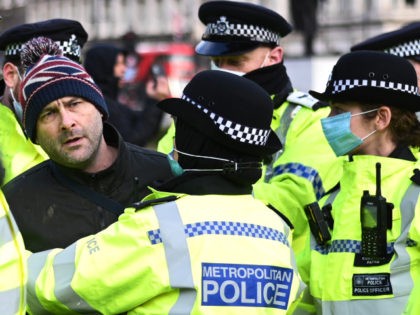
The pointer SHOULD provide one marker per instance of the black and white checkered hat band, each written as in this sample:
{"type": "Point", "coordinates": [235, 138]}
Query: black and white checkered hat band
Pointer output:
{"type": "Point", "coordinates": [407, 49]}
{"type": "Point", "coordinates": [255, 33]}
{"type": "Point", "coordinates": [234, 130]}
{"type": "Point", "coordinates": [70, 47]}
{"type": "Point", "coordinates": [340, 86]}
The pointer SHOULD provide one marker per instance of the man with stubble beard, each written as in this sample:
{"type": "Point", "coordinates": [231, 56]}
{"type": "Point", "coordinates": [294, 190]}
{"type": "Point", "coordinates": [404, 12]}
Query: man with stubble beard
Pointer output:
{"type": "Point", "coordinates": [92, 174]}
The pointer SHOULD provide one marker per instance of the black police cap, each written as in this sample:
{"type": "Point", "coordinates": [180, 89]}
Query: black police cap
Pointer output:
{"type": "Point", "coordinates": [68, 34]}
{"type": "Point", "coordinates": [229, 109]}
{"type": "Point", "coordinates": [233, 28]}
{"type": "Point", "coordinates": [403, 42]}
{"type": "Point", "coordinates": [372, 77]}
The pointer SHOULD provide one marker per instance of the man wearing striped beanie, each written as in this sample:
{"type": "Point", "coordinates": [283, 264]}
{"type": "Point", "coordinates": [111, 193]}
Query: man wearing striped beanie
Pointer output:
{"type": "Point", "coordinates": [19, 153]}
{"type": "Point", "coordinates": [92, 174]}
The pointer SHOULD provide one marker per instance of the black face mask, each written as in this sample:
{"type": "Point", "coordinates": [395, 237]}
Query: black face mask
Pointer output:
{"type": "Point", "coordinates": [189, 140]}
{"type": "Point", "coordinates": [273, 79]}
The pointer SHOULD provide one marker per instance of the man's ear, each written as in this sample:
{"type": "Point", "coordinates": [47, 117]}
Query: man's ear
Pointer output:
{"type": "Point", "coordinates": [383, 118]}
{"type": "Point", "coordinates": [276, 55]}
{"type": "Point", "coordinates": [10, 75]}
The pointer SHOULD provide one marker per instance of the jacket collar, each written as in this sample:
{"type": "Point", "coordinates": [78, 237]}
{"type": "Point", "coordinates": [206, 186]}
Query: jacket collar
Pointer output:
{"type": "Point", "coordinates": [404, 153]}
{"type": "Point", "coordinates": [200, 183]}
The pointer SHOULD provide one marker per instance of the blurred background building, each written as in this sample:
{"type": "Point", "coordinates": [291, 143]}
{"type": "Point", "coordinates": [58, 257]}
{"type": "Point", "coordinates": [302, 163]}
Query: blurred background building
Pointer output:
{"type": "Point", "coordinates": [324, 29]}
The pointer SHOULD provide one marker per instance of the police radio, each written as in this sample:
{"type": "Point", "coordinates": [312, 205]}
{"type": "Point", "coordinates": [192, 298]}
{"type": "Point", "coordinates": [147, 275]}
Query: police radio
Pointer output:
{"type": "Point", "coordinates": [375, 218]}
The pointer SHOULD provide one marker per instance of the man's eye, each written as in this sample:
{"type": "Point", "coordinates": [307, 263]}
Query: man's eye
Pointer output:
{"type": "Point", "coordinates": [75, 103]}
{"type": "Point", "coordinates": [47, 113]}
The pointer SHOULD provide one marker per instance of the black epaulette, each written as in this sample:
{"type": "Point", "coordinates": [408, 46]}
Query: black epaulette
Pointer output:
{"type": "Point", "coordinates": [416, 177]}
{"type": "Point", "coordinates": [144, 204]}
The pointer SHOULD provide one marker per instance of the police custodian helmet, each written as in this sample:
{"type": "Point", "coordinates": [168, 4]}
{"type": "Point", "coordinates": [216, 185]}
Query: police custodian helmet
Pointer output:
{"type": "Point", "coordinates": [403, 42]}
{"type": "Point", "coordinates": [234, 28]}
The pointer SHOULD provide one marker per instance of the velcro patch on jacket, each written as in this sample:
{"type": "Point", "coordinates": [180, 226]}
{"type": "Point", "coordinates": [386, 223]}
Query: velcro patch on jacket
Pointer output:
{"type": "Point", "coordinates": [371, 284]}
{"type": "Point", "coordinates": [246, 285]}
{"type": "Point", "coordinates": [304, 99]}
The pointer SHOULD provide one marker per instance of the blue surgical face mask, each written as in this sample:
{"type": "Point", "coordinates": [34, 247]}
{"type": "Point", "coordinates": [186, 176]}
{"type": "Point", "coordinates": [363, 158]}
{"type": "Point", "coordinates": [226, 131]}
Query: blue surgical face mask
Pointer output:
{"type": "Point", "coordinates": [16, 105]}
{"type": "Point", "coordinates": [339, 135]}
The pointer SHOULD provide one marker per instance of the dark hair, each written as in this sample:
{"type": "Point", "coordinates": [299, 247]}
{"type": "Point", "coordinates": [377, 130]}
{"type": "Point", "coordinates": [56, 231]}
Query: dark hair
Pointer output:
{"type": "Point", "coordinates": [404, 124]}
{"type": "Point", "coordinates": [405, 127]}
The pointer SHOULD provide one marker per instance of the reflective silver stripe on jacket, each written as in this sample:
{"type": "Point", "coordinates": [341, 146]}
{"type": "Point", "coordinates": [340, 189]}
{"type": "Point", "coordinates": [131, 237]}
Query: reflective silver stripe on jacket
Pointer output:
{"type": "Point", "coordinates": [5, 233]}
{"type": "Point", "coordinates": [64, 269]}
{"type": "Point", "coordinates": [177, 256]}
{"type": "Point", "coordinates": [401, 280]}
{"type": "Point", "coordinates": [9, 299]}
{"type": "Point", "coordinates": [281, 132]}
{"type": "Point", "coordinates": [389, 306]}
{"type": "Point", "coordinates": [35, 264]}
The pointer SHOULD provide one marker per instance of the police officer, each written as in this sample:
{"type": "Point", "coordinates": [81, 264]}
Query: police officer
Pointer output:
{"type": "Point", "coordinates": [13, 271]}
{"type": "Point", "coordinates": [206, 247]}
{"type": "Point", "coordinates": [370, 259]}
{"type": "Point", "coordinates": [403, 42]}
{"type": "Point", "coordinates": [244, 38]}
{"type": "Point", "coordinates": [18, 152]}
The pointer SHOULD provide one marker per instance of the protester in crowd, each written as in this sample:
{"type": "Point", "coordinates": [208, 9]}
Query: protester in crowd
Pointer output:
{"type": "Point", "coordinates": [365, 259]}
{"type": "Point", "coordinates": [205, 247]}
{"type": "Point", "coordinates": [106, 64]}
{"type": "Point", "coordinates": [92, 174]}
{"type": "Point", "coordinates": [13, 269]}
{"type": "Point", "coordinates": [18, 152]}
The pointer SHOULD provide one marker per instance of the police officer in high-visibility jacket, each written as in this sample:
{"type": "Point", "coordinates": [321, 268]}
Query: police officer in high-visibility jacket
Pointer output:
{"type": "Point", "coordinates": [364, 248]}
{"type": "Point", "coordinates": [244, 38]}
{"type": "Point", "coordinates": [206, 246]}
{"type": "Point", "coordinates": [13, 272]}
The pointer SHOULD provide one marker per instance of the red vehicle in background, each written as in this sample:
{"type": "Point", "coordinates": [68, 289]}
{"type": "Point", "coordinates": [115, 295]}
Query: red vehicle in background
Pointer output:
{"type": "Point", "coordinates": [175, 60]}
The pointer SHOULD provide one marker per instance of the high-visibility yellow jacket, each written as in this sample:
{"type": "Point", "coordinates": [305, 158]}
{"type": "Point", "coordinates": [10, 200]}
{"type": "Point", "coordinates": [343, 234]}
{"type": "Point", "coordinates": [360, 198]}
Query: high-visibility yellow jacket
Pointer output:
{"type": "Point", "coordinates": [208, 254]}
{"type": "Point", "coordinates": [304, 170]}
{"type": "Point", "coordinates": [13, 270]}
{"type": "Point", "coordinates": [17, 152]}
{"type": "Point", "coordinates": [343, 279]}
{"type": "Point", "coordinates": [166, 143]}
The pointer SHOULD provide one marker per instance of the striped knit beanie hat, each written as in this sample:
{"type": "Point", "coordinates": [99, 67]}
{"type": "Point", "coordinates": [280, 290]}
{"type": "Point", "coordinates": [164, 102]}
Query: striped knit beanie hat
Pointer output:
{"type": "Point", "coordinates": [51, 78]}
